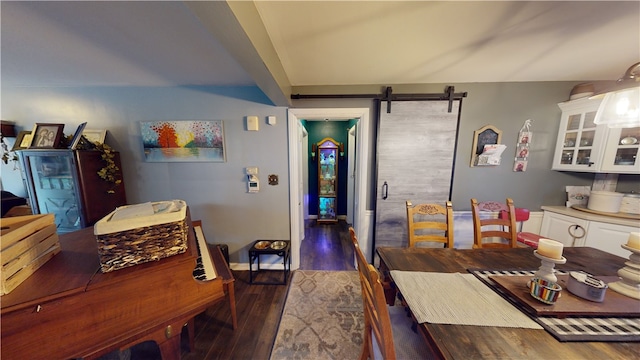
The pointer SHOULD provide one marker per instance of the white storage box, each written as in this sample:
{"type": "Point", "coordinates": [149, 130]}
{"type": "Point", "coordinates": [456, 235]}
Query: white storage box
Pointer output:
{"type": "Point", "coordinates": [605, 201]}
{"type": "Point", "coordinates": [136, 234]}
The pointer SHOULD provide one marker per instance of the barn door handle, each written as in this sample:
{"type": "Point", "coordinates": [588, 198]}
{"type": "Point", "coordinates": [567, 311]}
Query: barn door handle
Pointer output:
{"type": "Point", "coordinates": [385, 191]}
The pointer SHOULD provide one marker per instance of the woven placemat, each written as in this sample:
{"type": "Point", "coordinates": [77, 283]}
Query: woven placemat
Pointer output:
{"type": "Point", "coordinates": [460, 299]}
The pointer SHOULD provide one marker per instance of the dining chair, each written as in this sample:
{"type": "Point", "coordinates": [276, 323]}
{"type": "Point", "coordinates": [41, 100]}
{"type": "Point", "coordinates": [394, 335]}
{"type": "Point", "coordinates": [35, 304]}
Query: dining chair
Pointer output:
{"type": "Point", "coordinates": [430, 223]}
{"type": "Point", "coordinates": [528, 238]}
{"type": "Point", "coordinates": [383, 323]}
{"type": "Point", "coordinates": [488, 225]}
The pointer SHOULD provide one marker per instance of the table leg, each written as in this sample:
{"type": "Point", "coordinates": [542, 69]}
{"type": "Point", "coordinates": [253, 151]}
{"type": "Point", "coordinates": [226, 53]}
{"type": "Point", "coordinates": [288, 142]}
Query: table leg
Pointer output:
{"type": "Point", "coordinates": [232, 304]}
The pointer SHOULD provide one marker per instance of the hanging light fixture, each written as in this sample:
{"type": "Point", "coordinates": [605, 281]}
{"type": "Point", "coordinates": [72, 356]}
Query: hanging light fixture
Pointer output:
{"type": "Point", "coordinates": [620, 107]}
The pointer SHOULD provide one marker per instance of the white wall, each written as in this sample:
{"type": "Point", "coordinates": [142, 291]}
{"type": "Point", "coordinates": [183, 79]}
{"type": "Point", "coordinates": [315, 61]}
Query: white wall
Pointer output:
{"type": "Point", "coordinates": [215, 192]}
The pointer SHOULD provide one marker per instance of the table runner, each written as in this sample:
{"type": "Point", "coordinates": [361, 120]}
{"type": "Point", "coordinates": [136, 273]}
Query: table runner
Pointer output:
{"type": "Point", "coordinates": [571, 328]}
{"type": "Point", "coordinates": [454, 298]}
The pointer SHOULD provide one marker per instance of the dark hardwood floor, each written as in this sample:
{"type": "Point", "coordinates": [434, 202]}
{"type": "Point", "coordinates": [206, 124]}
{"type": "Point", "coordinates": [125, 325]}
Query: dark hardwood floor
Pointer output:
{"type": "Point", "coordinates": [326, 247]}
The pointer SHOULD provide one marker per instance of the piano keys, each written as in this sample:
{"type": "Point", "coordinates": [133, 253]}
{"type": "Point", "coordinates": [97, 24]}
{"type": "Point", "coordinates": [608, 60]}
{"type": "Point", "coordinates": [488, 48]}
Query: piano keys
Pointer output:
{"type": "Point", "coordinates": [69, 309]}
{"type": "Point", "coordinates": [204, 270]}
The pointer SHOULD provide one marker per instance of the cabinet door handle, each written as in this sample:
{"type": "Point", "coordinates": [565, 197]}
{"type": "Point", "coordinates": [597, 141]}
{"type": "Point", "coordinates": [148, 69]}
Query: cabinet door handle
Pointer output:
{"type": "Point", "coordinates": [577, 232]}
{"type": "Point", "coordinates": [385, 191]}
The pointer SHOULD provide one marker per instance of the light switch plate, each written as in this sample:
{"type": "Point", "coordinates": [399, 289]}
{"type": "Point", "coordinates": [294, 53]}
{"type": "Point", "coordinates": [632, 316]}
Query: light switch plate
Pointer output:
{"type": "Point", "coordinates": [252, 123]}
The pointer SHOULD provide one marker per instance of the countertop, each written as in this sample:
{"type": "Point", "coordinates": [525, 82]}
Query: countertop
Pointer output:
{"type": "Point", "coordinates": [591, 217]}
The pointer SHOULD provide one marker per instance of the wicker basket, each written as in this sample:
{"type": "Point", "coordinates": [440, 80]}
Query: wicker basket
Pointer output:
{"type": "Point", "coordinates": [148, 241]}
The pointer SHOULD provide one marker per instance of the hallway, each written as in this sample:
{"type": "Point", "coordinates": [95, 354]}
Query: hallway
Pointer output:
{"type": "Point", "coordinates": [326, 247]}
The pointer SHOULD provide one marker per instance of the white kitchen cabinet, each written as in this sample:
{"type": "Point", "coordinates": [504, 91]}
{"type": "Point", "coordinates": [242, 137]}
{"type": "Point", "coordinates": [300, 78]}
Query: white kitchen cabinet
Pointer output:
{"type": "Point", "coordinates": [563, 228]}
{"type": "Point", "coordinates": [621, 151]}
{"type": "Point", "coordinates": [608, 237]}
{"type": "Point", "coordinates": [586, 147]}
{"type": "Point", "coordinates": [600, 231]}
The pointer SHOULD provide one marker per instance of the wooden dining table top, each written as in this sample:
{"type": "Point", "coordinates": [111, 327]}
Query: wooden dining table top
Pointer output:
{"type": "Point", "coordinates": [486, 342]}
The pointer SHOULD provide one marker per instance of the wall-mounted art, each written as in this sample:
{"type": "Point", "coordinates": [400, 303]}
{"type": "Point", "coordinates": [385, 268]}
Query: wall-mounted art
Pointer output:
{"type": "Point", "coordinates": [183, 141]}
{"type": "Point", "coordinates": [486, 135]}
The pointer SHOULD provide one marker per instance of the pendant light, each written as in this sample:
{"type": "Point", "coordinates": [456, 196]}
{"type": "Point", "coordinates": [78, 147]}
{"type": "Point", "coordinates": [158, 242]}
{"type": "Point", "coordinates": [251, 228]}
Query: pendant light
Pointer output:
{"type": "Point", "coordinates": [620, 107]}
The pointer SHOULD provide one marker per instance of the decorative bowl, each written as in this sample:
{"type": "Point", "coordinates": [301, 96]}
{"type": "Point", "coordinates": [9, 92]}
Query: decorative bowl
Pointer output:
{"type": "Point", "coordinates": [544, 291]}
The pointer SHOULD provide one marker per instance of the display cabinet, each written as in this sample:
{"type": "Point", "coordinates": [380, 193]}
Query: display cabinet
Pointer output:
{"type": "Point", "coordinates": [327, 180]}
{"type": "Point", "coordinates": [586, 147]}
{"type": "Point", "coordinates": [66, 183]}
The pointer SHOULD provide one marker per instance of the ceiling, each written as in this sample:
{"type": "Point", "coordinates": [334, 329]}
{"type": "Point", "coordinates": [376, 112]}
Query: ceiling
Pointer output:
{"type": "Point", "coordinates": [285, 45]}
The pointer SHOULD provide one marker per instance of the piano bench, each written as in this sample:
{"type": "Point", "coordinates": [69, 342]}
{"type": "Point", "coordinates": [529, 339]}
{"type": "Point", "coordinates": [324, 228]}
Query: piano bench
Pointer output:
{"type": "Point", "coordinates": [225, 251]}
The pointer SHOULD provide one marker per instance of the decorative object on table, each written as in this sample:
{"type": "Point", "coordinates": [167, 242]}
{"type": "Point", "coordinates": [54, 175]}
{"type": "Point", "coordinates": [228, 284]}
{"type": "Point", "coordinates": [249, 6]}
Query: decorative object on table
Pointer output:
{"type": "Point", "coordinates": [140, 233]}
{"type": "Point", "coordinates": [46, 136]}
{"type": "Point", "coordinates": [586, 286]}
{"type": "Point", "coordinates": [522, 147]}
{"type": "Point", "coordinates": [545, 291]}
{"type": "Point", "coordinates": [27, 243]}
{"type": "Point", "coordinates": [550, 253]}
{"type": "Point", "coordinates": [174, 141]}
{"type": "Point", "coordinates": [629, 283]}
{"type": "Point", "coordinates": [486, 135]}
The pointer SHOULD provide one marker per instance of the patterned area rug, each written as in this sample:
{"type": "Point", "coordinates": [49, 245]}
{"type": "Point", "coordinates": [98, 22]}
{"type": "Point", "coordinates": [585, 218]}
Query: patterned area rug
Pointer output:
{"type": "Point", "coordinates": [322, 317]}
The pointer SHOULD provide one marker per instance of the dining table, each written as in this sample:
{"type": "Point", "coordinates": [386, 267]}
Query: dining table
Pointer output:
{"type": "Point", "coordinates": [456, 341]}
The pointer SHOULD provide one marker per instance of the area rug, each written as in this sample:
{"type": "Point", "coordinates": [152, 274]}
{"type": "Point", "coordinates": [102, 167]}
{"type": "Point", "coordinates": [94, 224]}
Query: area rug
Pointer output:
{"type": "Point", "coordinates": [322, 317]}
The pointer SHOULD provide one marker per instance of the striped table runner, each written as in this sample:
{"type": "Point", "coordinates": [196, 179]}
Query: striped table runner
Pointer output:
{"type": "Point", "coordinates": [624, 329]}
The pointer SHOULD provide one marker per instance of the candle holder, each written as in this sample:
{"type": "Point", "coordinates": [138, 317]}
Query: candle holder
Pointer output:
{"type": "Point", "coordinates": [629, 284]}
{"type": "Point", "coordinates": [546, 270]}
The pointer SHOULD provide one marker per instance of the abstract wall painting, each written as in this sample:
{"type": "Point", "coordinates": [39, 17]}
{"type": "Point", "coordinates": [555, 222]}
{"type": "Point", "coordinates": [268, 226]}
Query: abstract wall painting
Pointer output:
{"type": "Point", "coordinates": [183, 141]}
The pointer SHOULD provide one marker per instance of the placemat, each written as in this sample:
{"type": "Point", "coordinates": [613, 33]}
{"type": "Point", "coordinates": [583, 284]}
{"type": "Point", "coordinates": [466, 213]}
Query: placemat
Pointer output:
{"type": "Point", "coordinates": [621, 329]}
{"type": "Point", "coordinates": [454, 298]}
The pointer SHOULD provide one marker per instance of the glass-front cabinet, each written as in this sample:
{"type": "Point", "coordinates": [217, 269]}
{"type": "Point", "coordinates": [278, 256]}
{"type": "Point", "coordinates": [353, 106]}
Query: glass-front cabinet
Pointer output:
{"type": "Point", "coordinates": [327, 180]}
{"type": "Point", "coordinates": [66, 183]}
{"type": "Point", "coordinates": [622, 150]}
{"type": "Point", "coordinates": [586, 147]}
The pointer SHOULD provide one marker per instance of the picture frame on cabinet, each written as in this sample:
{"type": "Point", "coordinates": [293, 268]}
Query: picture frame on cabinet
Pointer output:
{"type": "Point", "coordinates": [77, 136]}
{"type": "Point", "coordinates": [46, 136]}
{"type": "Point", "coordinates": [95, 135]}
{"type": "Point", "coordinates": [23, 140]}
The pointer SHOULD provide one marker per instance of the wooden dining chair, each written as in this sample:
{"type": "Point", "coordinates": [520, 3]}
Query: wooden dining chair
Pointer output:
{"type": "Point", "coordinates": [383, 323]}
{"type": "Point", "coordinates": [430, 223]}
{"type": "Point", "coordinates": [376, 315]}
{"type": "Point", "coordinates": [491, 226]}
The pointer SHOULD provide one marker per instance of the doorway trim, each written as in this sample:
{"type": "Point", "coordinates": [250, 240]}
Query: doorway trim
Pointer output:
{"type": "Point", "coordinates": [295, 165]}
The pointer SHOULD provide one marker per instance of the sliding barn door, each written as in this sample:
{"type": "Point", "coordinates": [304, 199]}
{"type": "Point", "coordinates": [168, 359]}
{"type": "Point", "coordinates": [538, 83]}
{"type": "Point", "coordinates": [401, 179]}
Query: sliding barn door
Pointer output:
{"type": "Point", "coordinates": [415, 153]}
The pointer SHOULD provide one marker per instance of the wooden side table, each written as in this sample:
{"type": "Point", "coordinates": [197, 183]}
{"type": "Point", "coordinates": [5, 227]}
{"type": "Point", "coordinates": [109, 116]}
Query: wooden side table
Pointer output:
{"type": "Point", "coordinates": [272, 248]}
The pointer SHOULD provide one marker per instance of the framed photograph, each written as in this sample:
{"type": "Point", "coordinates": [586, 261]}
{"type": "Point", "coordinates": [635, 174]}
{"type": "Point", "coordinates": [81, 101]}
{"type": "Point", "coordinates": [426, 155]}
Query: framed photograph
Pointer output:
{"type": "Point", "coordinates": [23, 140]}
{"type": "Point", "coordinates": [183, 141]}
{"type": "Point", "coordinates": [522, 151]}
{"type": "Point", "coordinates": [94, 135]}
{"type": "Point", "coordinates": [77, 136]}
{"type": "Point", "coordinates": [46, 136]}
{"type": "Point", "coordinates": [525, 137]}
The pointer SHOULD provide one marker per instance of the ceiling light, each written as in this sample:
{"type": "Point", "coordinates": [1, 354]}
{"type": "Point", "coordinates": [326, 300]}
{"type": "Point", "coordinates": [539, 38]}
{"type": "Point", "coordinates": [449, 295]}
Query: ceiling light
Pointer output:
{"type": "Point", "coordinates": [620, 107]}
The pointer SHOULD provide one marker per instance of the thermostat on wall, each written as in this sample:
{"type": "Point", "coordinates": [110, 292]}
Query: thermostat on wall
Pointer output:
{"type": "Point", "coordinates": [252, 123]}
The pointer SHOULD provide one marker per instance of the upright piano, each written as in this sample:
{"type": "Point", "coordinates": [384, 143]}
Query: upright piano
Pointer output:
{"type": "Point", "coordinates": [70, 309]}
